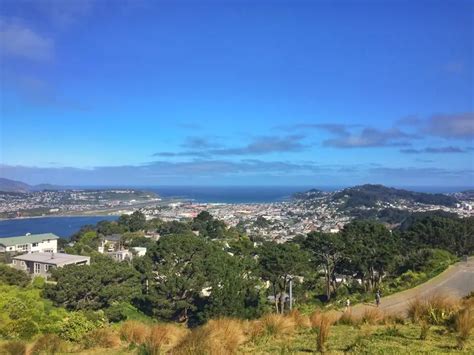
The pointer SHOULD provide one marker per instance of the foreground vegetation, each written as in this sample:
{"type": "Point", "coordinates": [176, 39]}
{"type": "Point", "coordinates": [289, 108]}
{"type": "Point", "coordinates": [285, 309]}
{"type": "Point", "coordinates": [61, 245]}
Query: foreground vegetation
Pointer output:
{"type": "Point", "coordinates": [203, 286]}
{"type": "Point", "coordinates": [434, 325]}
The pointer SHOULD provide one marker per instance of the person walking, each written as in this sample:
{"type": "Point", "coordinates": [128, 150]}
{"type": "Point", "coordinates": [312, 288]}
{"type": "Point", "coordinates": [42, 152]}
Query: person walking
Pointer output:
{"type": "Point", "coordinates": [348, 304]}
{"type": "Point", "coordinates": [377, 298]}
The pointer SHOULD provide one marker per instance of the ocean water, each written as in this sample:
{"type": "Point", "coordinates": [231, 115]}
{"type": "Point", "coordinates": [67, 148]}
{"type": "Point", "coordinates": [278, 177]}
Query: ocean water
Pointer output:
{"type": "Point", "coordinates": [61, 226]}
{"type": "Point", "coordinates": [229, 194]}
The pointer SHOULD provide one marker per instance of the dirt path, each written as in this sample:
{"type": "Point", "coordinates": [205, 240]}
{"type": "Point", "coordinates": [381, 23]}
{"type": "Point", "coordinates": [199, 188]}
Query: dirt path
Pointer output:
{"type": "Point", "coordinates": [456, 281]}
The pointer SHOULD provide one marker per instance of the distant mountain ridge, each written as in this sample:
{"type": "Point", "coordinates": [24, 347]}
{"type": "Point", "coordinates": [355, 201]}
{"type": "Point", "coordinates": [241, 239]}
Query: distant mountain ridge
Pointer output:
{"type": "Point", "coordinates": [7, 185]}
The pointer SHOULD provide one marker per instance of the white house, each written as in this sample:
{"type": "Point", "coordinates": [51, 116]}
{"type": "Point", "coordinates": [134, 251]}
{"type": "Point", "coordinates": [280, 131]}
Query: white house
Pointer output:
{"type": "Point", "coordinates": [30, 243]}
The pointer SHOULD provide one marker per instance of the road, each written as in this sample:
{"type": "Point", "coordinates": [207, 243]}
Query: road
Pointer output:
{"type": "Point", "coordinates": [456, 281]}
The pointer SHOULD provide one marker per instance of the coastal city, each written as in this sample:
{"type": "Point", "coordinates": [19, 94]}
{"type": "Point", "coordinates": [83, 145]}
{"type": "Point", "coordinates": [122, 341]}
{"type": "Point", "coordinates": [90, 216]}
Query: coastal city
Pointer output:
{"type": "Point", "coordinates": [302, 213]}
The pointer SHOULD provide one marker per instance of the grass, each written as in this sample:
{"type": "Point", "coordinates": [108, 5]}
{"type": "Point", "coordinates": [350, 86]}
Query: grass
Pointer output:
{"type": "Point", "coordinates": [222, 336]}
{"type": "Point", "coordinates": [48, 344]}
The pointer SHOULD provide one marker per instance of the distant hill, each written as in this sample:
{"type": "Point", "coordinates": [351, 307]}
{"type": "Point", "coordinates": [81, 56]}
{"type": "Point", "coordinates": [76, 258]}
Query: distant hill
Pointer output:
{"type": "Point", "coordinates": [310, 194]}
{"type": "Point", "coordinates": [370, 195]}
{"type": "Point", "coordinates": [7, 185]}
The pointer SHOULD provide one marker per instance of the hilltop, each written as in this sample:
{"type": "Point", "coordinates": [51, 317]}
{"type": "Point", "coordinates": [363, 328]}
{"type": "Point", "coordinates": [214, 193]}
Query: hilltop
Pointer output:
{"type": "Point", "coordinates": [7, 185]}
{"type": "Point", "coordinates": [371, 195]}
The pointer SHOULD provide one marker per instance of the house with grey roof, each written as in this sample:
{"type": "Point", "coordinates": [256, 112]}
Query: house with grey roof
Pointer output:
{"type": "Point", "coordinates": [30, 243]}
{"type": "Point", "coordinates": [40, 264]}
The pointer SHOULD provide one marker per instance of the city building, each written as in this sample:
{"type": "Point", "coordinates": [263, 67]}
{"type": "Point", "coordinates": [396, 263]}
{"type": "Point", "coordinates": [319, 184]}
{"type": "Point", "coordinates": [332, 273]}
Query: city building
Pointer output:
{"type": "Point", "coordinates": [30, 243]}
{"type": "Point", "coordinates": [39, 264]}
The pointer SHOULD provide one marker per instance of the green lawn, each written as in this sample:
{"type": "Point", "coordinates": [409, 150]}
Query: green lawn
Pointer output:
{"type": "Point", "coordinates": [400, 339]}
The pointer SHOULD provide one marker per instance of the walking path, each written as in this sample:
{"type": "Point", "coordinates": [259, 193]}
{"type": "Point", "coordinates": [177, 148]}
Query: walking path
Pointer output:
{"type": "Point", "coordinates": [457, 281]}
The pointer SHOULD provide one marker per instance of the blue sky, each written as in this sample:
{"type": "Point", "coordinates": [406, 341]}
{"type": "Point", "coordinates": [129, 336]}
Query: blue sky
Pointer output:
{"type": "Point", "coordinates": [237, 92]}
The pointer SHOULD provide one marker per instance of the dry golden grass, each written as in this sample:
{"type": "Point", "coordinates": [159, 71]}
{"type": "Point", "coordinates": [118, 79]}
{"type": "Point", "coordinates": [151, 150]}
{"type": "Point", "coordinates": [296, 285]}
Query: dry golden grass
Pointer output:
{"type": "Point", "coordinates": [48, 344]}
{"type": "Point", "coordinates": [102, 338]}
{"type": "Point", "coordinates": [322, 322]}
{"type": "Point", "coordinates": [436, 310]}
{"type": "Point", "coordinates": [134, 332]}
{"type": "Point", "coordinates": [347, 318]}
{"type": "Point", "coordinates": [300, 320]}
{"type": "Point", "coordinates": [372, 316]}
{"type": "Point", "coordinates": [220, 336]}
{"type": "Point", "coordinates": [416, 310]}
{"type": "Point", "coordinates": [277, 325]}
{"type": "Point", "coordinates": [464, 324]}
{"type": "Point", "coordinates": [163, 337]}
{"type": "Point", "coordinates": [13, 347]}
{"type": "Point", "coordinates": [424, 329]}
{"type": "Point", "coordinates": [315, 318]}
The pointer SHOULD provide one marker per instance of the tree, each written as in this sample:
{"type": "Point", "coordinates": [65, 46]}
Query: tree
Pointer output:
{"type": "Point", "coordinates": [327, 251]}
{"type": "Point", "coordinates": [137, 221]}
{"type": "Point", "coordinates": [179, 269]}
{"type": "Point", "coordinates": [233, 286]}
{"type": "Point", "coordinates": [95, 286]}
{"type": "Point", "coordinates": [208, 226]}
{"type": "Point", "coordinates": [370, 249]}
{"type": "Point", "coordinates": [278, 263]}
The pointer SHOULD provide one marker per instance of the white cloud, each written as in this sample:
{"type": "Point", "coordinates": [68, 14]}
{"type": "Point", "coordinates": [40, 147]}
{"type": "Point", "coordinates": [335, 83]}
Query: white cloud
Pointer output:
{"type": "Point", "coordinates": [17, 40]}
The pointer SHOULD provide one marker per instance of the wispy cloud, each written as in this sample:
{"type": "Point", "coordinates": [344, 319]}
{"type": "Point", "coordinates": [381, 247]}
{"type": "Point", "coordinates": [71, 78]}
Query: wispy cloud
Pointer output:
{"type": "Point", "coordinates": [20, 41]}
{"type": "Point", "coordinates": [201, 147]}
{"type": "Point", "coordinates": [266, 145]}
{"type": "Point", "coordinates": [458, 126]}
{"type": "Point", "coordinates": [448, 125]}
{"type": "Point", "coordinates": [435, 150]}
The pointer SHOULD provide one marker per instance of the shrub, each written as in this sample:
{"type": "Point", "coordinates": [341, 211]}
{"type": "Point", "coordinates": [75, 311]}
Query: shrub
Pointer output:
{"type": "Point", "coordinates": [134, 332]}
{"type": "Point", "coordinates": [23, 328]}
{"type": "Point", "coordinates": [102, 338]}
{"type": "Point", "coordinates": [116, 313]}
{"type": "Point", "coordinates": [50, 344]}
{"type": "Point", "coordinates": [13, 348]}
{"type": "Point", "coordinates": [75, 327]}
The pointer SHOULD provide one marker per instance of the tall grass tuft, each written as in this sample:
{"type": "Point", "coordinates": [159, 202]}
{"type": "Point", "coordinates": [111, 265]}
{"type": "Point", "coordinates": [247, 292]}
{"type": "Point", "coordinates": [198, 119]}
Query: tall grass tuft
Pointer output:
{"type": "Point", "coordinates": [163, 337]}
{"type": "Point", "coordinates": [372, 316]}
{"type": "Point", "coordinates": [300, 320]}
{"type": "Point", "coordinates": [424, 329]}
{"type": "Point", "coordinates": [322, 323]}
{"type": "Point", "coordinates": [347, 318]}
{"type": "Point", "coordinates": [102, 338]}
{"type": "Point", "coordinates": [134, 332]}
{"type": "Point", "coordinates": [464, 324]}
{"type": "Point", "coordinates": [416, 310]}
{"type": "Point", "coordinates": [441, 308]}
{"type": "Point", "coordinates": [315, 318]}
{"type": "Point", "coordinates": [13, 347]}
{"type": "Point", "coordinates": [48, 344]}
{"type": "Point", "coordinates": [219, 336]}
{"type": "Point", "coordinates": [277, 325]}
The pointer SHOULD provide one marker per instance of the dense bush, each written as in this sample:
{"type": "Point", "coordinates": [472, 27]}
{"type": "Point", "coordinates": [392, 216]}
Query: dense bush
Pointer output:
{"type": "Point", "coordinates": [11, 276]}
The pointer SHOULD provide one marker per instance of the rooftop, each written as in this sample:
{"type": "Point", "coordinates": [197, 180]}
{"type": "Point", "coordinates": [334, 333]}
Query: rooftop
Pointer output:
{"type": "Point", "coordinates": [25, 239]}
{"type": "Point", "coordinates": [52, 258]}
